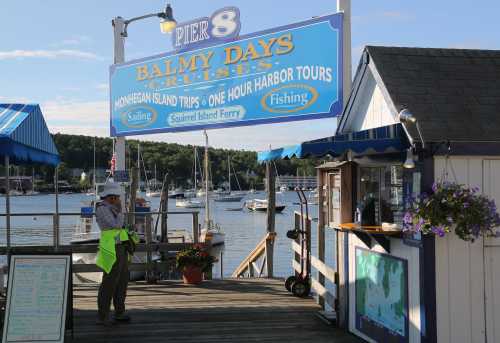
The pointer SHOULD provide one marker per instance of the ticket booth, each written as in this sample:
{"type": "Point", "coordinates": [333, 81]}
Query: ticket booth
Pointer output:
{"type": "Point", "coordinates": [414, 116]}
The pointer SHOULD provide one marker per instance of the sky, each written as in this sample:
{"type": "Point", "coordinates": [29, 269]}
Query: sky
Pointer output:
{"type": "Point", "coordinates": [57, 52]}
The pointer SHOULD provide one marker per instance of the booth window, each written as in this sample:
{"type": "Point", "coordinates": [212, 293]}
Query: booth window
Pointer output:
{"type": "Point", "coordinates": [381, 195]}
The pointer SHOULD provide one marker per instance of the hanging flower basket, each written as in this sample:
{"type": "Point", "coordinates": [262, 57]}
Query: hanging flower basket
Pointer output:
{"type": "Point", "coordinates": [193, 262]}
{"type": "Point", "coordinates": [453, 207]}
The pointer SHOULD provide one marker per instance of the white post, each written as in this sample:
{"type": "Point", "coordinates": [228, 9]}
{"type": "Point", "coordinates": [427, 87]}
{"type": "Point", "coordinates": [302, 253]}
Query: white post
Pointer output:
{"type": "Point", "coordinates": [345, 7]}
{"type": "Point", "coordinates": [119, 57]}
{"type": "Point", "coordinates": [7, 198]}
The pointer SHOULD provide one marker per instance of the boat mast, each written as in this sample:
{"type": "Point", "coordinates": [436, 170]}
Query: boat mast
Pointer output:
{"type": "Point", "coordinates": [207, 206]}
{"type": "Point", "coordinates": [139, 166]}
{"type": "Point", "coordinates": [195, 169]}
{"type": "Point", "coordinates": [229, 172]}
{"type": "Point", "coordinates": [93, 173]}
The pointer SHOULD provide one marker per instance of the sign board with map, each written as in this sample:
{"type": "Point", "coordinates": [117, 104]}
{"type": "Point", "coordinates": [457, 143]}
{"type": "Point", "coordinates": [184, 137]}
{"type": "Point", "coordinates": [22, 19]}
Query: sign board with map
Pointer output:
{"type": "Point", "coordinates": [37, 298]}
{"type": "Point", "coordinates": [381, 296]}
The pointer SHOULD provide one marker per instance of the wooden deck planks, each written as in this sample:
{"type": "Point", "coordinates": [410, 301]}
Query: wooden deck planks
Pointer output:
{"type": "Point", "coordinates": [235, 310]}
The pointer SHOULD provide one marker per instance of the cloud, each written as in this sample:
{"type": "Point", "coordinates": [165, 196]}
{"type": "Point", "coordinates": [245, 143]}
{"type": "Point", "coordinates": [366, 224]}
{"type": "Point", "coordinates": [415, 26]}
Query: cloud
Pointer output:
{"type": "Point", "coordinates": [63, 112]}
{"type": "Point", "coordinates": [75, 40]}
{"type": "Point", "coordinates": [48, 54]}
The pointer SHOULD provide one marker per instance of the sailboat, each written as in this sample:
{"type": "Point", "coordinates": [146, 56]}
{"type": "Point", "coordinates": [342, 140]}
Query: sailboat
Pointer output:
{"type": "Point", "coordinates": [187, 200]}
{"type": "Point", "coordinates": [94, 190]}
{"type": "Point", "coordinates": [155, 192]}
{"type": "Point", "coordinates": [229, 196]}
{"type": "Point", "coordinates": [211, 232]}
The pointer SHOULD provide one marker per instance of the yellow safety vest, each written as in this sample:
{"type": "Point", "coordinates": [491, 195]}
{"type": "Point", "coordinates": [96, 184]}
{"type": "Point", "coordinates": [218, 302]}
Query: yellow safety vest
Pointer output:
{"type": "Point", "coordinates": [106, 256]}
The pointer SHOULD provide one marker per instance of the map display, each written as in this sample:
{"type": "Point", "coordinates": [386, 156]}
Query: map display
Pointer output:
{"type": "Point", "coordinates": [36, 301]}
{"type": "Point", "coordinates": [381, 296]}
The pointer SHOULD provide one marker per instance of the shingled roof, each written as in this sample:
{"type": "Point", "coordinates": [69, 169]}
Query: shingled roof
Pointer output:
{"type": "Point", "coordinates": [453, 93]}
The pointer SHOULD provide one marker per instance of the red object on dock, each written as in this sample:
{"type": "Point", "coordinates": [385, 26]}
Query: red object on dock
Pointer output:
{"type": "Point", "coordinates": [192, 275]}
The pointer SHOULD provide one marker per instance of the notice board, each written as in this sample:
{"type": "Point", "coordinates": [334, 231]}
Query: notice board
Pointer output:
{"type": "Point", "coordinates": [381, 296]}
{"type": "Point", "coordinates": [37, 298]}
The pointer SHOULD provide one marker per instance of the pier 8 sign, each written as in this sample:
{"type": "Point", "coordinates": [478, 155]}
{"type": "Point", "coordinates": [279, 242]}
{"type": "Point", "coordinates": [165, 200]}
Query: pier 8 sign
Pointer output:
{"type": "Point", "coordinates": [284, 74]}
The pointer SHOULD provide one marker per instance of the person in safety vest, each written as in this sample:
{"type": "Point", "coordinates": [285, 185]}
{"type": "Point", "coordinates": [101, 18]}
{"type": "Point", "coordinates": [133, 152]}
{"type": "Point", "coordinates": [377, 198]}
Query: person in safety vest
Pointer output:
{"type": "Point", "coordinates": [115, 246]}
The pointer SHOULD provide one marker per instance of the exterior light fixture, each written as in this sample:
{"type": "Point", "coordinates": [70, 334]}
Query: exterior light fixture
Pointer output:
{"type": "Point", "coordinates": [406, 117]}
{"type": "Point", "coordinates": [409, 163]}
{"type": "Point", "coordinates": [168, 23]}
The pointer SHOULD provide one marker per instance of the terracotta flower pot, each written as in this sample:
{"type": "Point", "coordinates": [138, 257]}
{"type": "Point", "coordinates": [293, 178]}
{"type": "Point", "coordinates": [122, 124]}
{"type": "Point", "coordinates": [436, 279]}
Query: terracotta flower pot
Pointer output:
{"type": "Point", "coordinates": [192, 275]}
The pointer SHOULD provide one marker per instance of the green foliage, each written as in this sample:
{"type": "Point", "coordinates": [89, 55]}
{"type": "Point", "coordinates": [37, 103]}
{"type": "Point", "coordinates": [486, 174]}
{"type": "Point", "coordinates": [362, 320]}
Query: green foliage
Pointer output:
{"type": "Point", "coordinates": [195, 256]}
{"type": "Point", "coordinates": [177, 160]}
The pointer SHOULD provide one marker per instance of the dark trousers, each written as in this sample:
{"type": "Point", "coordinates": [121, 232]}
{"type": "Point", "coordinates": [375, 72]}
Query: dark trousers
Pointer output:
{"type": "Point", "coordinates": [114, 285]}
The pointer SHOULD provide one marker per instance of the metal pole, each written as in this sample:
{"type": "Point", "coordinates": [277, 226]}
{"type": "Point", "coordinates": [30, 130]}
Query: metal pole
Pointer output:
{"type": "Point", "coordinates": [207, 205]}
{"type": "Point", "coordinates": [119, 57]}
{"type": "Point", "coordinates": [7, 198]}
{"type": "Point", "coordinates": [345, 7]}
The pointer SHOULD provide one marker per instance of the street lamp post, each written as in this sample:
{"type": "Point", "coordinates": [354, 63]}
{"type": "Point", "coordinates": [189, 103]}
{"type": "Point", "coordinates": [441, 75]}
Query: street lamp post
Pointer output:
{"type": "Point", "coordinates": [120, 25]}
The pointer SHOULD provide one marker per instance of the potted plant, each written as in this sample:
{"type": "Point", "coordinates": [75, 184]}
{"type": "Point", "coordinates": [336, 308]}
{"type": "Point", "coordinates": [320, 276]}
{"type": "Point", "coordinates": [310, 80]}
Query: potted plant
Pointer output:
{"type": "Point", "coordinates": [193, 262]}
{"type": "Point", "coordinates": [453, 207]}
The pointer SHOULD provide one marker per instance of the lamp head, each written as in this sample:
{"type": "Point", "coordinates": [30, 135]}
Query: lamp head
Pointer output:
{"type": "Point", "coordinates": [409, 163]}
{"type": "Point", "coordinates": [168, 23]}
{"type": "Point", "coordinates": [405, 116]}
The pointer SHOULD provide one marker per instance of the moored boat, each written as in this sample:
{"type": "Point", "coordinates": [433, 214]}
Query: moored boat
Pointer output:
{"type": "Point", "coordinates": [260, 205]}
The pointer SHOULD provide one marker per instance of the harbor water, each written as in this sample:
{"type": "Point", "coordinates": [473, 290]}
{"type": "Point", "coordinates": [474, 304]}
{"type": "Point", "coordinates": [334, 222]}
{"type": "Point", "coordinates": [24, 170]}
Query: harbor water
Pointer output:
{"type": "Point", "coordinates": [243, 229]}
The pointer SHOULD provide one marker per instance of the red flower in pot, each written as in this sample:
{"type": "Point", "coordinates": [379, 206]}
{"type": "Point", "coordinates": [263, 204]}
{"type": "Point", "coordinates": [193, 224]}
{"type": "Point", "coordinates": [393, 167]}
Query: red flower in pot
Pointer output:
{"type": "Point", "coordinates": [193, 262]}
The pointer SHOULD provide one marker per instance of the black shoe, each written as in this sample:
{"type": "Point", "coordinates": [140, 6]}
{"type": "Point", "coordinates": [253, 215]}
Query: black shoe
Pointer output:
{"type": "Point", "coordinates": [123, 318]}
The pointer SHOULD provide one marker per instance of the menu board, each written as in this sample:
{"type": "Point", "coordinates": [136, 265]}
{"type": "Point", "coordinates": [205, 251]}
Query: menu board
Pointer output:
{"type": "Point", "coordinates": [36, 298]}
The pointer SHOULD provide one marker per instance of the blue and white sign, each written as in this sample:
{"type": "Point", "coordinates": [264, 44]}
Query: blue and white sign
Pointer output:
{"type": "Point", "coordinates": [284, 74]}
{"type": "Point", "coordinates": [223, 25]}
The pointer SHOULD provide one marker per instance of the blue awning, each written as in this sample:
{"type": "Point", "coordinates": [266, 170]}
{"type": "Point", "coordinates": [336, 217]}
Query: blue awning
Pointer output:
{"type": "Point", "coordinates": [24, 135]}
{"type": "Point", "coordinates": [385, 139]}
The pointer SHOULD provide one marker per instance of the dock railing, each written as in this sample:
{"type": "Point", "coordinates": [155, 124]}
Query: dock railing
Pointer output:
{"type": "Point", "coordinates": [148, 246]}
{"type": "Point", "coordinates": [250, 266]}
{"type": "Point", "coordinates": [323, 270]}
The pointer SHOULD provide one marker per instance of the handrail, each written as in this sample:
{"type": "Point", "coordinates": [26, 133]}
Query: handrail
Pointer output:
{"type": "Point", "coordinates": [93, 213]}
{"type": "Point", "coordinates": [249, 263]}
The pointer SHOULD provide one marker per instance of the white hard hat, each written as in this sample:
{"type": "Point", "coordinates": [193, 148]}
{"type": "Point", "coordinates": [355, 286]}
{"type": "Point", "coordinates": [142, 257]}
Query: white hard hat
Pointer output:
{"type": "Point", "coordinates": [111, 188]}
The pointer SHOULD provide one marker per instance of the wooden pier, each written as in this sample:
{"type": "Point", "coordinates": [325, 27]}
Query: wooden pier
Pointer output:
{"type": "Point", "coordinates": [232, 310]}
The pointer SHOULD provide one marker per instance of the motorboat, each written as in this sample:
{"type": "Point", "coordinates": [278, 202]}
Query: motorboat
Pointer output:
{"type": "Point", "coordinates": [153, 194]}
{"type": "Point", "coordinates": [176, 193]}
{"type": "Point", "coordinates": [260, 205]}
{"type": "Point", "coordinates": [189, 203]}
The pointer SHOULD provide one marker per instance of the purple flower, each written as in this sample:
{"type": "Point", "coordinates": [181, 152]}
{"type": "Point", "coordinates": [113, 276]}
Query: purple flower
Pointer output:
{"type": "Point", "coordinates": [449, 219]}
{"type": "Point", "coordinates": [438, 230]}
{"type": "Point", "coordinates": [466, 205]}
{"type": "Point", "coordinates": [408, 218]}
{"type": "Point", "coordinates": [419, 224]}
{"type": "Point", "coordinates": [435, 187]}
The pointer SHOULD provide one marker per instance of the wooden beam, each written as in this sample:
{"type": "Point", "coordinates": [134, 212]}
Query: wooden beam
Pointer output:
{"type": "Point", "coordinates": [321, 234]}
{"type": "Point", "coordinates": [323, 269]}
{"type": "Point", "coordinates": [323, 292]}
{"type": "Point", "coordinates": [91, 248]}
{"type": "Point", "coordinates": [271, 211]}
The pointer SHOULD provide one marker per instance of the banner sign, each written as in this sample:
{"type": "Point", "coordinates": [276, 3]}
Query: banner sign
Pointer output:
{"type": "Point", "coordinates": [288, 73]}
{"type": "Point", "coordinates": [222, 26]}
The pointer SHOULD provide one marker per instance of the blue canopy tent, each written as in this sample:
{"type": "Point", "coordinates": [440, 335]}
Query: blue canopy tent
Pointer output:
{"type": "Point", "coordinates": [385, 139]}
{"type": "Point", "coordinates": [24, 138]}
